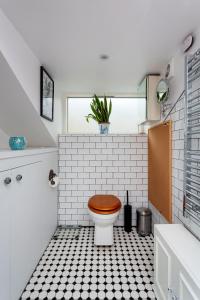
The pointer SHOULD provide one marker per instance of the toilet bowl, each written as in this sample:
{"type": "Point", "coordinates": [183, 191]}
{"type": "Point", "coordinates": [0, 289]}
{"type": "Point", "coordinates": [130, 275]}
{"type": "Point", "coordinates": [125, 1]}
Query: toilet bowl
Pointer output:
{"type": "Point", "coordinates": [104, 210]}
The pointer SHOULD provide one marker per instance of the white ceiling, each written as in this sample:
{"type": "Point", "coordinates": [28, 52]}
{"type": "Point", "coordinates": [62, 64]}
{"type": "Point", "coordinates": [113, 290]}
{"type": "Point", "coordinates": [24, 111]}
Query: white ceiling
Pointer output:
{"type": "Point", "coordinates": [68, 36]}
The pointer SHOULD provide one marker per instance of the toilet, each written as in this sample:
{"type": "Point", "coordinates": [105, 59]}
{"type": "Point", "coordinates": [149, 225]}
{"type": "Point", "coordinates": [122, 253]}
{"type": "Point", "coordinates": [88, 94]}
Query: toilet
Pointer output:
{"type": "Point", "coordinates": [104, 210]}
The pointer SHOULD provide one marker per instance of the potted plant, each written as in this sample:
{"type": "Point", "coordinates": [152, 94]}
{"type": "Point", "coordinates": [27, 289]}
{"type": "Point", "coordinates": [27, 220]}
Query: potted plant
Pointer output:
{"type": "Point", "coordinates": [101, 111]}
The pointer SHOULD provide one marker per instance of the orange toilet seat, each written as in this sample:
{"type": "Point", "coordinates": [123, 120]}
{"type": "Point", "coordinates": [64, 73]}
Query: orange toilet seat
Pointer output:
{"type": "Point", "coordinates": [104, 204]}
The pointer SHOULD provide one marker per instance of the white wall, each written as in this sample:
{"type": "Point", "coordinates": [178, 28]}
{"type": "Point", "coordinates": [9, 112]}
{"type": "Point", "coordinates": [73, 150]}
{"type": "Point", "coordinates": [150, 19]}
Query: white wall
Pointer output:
{"type": "Point", "coordinates": [26, 67]}
{"type": "Point", "coordinates": [177, 84]}
{"type": "Point", "coordinates": [177, 116]}
{"type": "Point", "coordinates": [93, 164]}
{"type": "Point", "coordinates": [22, 61]}
{"type": "Point", "coordinates": [17, 114]}
{"type": "Point", "coordinates": [3, 140]}
{"type": "Point", "coordinates": [56, 127]}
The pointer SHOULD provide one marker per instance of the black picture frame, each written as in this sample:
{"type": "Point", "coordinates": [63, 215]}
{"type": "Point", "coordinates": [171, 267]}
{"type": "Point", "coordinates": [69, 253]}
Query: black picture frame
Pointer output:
{"type": "Point", "coordinates": [46, 95]}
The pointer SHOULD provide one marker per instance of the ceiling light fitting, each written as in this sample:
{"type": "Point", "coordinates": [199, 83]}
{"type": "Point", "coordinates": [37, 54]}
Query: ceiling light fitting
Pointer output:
{"type": "Point", "coordinates": [104, 56]}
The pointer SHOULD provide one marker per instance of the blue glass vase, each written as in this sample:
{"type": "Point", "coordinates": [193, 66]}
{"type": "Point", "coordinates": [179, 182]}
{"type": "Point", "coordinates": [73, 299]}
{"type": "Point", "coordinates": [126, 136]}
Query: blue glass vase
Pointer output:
{"type": "Point", "coordinates": [17, 143]}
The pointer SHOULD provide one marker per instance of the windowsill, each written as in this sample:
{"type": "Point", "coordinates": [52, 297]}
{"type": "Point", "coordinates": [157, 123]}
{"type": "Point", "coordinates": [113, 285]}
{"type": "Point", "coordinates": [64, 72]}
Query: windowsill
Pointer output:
{"type": "Point", "coordinates": [103, 135]}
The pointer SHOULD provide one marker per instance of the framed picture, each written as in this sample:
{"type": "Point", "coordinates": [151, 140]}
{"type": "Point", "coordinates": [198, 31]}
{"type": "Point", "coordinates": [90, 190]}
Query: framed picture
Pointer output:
{"type": "Point", "coordinates": [46, 95]}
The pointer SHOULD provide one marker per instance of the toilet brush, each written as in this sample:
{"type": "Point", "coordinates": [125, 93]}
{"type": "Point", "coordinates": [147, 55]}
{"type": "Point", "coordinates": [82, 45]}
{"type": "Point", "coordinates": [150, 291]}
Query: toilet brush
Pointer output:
{"type": "Point", "coordinates": [127, 215]}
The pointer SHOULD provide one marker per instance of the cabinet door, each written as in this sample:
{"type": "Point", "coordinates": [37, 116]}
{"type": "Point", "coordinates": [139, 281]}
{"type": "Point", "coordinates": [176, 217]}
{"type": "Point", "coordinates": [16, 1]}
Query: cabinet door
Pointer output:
{"type": "Point", "coordinates": [5, 211]}
{"type": "Point", "coordinates": [187, 289]}
{"type": "Point", "coordinates": [162, 270]}
{"type": "Point", "coordinates": [153, 111]}
{"type": "Point", "coordinates": [25, 225]}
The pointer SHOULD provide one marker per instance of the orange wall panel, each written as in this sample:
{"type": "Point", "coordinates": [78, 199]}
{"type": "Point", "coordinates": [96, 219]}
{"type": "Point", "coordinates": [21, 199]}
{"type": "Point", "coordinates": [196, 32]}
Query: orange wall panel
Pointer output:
{"type": "Point", "coordinates": [160, 168]}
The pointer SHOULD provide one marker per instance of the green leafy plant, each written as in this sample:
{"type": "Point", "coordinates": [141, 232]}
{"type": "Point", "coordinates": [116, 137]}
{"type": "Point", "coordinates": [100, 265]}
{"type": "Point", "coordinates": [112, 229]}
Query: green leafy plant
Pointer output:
{"type": "Point", "coordinates": [101, 110]}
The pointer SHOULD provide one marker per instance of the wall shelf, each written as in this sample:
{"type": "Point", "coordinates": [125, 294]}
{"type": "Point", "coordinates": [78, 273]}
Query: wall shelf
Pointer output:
{"type": "Point", "coordinates": [5, 153]}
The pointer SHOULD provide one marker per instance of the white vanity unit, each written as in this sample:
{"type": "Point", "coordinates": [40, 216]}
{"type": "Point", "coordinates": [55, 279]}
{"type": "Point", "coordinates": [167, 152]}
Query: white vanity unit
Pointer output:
{"type": "Point", "coordinates": [28, 215]}
{"type": "Point", "coordinates": [177, 263]}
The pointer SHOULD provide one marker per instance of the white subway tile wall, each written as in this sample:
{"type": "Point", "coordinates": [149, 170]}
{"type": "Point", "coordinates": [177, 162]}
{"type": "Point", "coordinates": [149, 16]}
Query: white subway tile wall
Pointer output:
{"type": "Point", "coordinates": [177, 117]}
{"type": "Point", "coordinates": [94, 164]}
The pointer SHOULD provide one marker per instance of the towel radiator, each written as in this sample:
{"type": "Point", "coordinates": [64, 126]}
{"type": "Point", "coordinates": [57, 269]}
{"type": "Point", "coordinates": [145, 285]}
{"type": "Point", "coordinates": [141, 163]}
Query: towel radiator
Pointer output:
{"type": "Point", "coordinates": [192, 138]}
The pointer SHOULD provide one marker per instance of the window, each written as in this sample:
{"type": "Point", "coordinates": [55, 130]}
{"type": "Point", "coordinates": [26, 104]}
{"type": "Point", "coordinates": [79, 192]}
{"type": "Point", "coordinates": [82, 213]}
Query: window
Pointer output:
{"type": "Point", "coordinates": [126, 114]}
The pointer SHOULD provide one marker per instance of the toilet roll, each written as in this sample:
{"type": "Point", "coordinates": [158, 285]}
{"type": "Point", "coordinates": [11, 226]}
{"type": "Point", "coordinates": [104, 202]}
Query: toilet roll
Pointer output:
{"type": "Point", "coordinates": [54, 181]}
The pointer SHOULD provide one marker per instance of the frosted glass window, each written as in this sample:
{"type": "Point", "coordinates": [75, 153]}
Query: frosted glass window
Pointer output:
{"type": "Point", "coordinates": [126, 114]}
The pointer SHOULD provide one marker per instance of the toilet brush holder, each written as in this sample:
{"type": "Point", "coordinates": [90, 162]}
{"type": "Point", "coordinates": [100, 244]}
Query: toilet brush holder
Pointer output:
{"type": "Point", "coordinates": [127, 215]}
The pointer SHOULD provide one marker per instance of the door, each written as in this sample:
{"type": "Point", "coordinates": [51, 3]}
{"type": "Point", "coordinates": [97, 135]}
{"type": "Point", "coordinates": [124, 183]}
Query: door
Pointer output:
{"type": "Point", "coordinates": [25, 224]}
{"type": "Point", "coordinates": [5, 211]}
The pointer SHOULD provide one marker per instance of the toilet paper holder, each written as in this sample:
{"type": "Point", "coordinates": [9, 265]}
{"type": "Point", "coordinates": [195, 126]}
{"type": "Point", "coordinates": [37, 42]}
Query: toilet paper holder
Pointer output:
{"type": "Point", "coordinates": [52, 175]}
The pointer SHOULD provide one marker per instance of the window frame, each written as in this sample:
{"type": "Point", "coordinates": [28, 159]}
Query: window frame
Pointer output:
{"type": "Point", "coordinates": [86, 97]}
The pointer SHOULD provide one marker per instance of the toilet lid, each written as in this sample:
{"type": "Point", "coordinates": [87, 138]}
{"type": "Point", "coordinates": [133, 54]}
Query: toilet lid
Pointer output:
{"type": "Point", "coordinates": [104, 204]}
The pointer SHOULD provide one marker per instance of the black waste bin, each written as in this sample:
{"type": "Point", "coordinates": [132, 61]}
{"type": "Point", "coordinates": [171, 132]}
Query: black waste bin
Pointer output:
{"type": "Point", "coordinates": [143, 221]}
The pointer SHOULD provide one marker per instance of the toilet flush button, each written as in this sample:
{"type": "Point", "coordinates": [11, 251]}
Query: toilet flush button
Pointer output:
{"type": "Point", "coordinates": [7, 180]}
{"type": "Point", "coordinates": [19, 177]}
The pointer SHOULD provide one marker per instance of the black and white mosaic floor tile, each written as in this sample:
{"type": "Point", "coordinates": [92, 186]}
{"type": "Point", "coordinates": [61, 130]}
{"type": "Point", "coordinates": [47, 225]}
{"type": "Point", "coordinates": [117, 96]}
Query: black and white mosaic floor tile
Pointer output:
{"type": "Point", "coordinates": [73, 268]}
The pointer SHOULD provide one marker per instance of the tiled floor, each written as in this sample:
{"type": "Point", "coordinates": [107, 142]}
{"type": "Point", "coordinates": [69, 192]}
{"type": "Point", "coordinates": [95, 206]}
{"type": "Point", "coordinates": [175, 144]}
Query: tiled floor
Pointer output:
{"type": "Point", "coordinates": [73, 268]}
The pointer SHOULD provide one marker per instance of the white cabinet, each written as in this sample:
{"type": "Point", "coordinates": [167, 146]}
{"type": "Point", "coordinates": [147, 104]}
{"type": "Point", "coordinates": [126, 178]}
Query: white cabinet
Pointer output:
{"type": "Point", "coordinates": [162, 269]}
{"type": "Point", "coordinates": [177, 263]}
{"type": "Point", "coordinates": [4, 237]}
{"type": "Point", "coordinates": [153, 107]}
{"type": "Point", "coordinates": [25, 223]}
{"type": "Point", "coordinates": [187, 288]}
{"type": "Point", "coordinates": [28, 218]}
{"type": "Point", "coordinates": [147, 89]}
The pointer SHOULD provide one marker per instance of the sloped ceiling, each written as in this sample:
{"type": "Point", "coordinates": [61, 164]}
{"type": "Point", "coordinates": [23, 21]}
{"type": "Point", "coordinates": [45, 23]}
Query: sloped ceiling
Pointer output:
{"type": "Point", "coordinates": [17, 114]}
{"type": "Point", "coordinates": [68, 36]}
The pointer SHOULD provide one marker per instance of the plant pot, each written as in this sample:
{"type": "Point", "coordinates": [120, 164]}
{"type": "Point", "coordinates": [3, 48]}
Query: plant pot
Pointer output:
{"type": "Point", "coordinates": [104, 128]}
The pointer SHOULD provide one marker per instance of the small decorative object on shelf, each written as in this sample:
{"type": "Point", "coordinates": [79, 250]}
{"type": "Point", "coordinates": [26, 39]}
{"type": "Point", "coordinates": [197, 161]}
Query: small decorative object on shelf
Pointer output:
{"type": "Point", "coordinates": [17, 143]}
{"type": "Point", "coordinates": [101, 111]}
